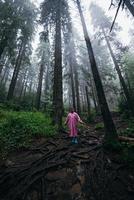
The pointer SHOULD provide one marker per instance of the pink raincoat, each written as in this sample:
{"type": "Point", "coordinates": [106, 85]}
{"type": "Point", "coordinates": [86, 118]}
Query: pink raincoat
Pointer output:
{"type": "Point", "coordinates": [72, 121]}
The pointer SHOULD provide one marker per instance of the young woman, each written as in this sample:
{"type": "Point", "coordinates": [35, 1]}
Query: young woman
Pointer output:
{"type": "Point", "coordinates": [72, 121]}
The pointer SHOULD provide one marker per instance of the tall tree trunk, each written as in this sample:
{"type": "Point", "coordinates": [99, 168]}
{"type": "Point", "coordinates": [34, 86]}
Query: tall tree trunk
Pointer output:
{"type": "Point", "coordinates": [46, 86]}
{"type": "Point", "coordinates": [110, 130]}
{"type": "Point", "coordinates": [72, 82]}
{"type": "Point", "coordinates": [128, 82]}
{"type": "Point", "coordinates": [75, 72]}
{"type": "Point", "coordinates": [5, 72]}
{"type": "Point", "coordinates": [77, 88]}
{"type": "Point", "coordinates": [3, 62]}
{"type": "Point", "coordinates": [22, 89]}
{"type": "Point", "coordinates": [25, 89]}
{"type": "Point", "coordinates": [88, 100]}
{"type": "Point", "coordinates": [6, 78]}
{"type": "Point", "coordinates": [3, 44]}
{"type": "Point", "coordinates": [46, 82]}
{"type": "Point", "coordinates": [122, 81]}
{"type": "Point", "coordinates": [57, 87]}
{"type": "Point", "coordinates": [93, 95]}
{"type": "Point", "coordinates": [69, 95]}
{"type": "Point", "coordinates": [16, 71]}
{"type": "Point", "coordinates": [39, 89]}
{"type": "Point", "coordinates": [84, 96]}
{"type": "Point", "coordinates": [30, 85]}
{"type": "Point", "coordinates": [129, 6]}
{"type": "Point", "coordinates": [23, 82]}
{"type": "Point", "coordinates": [1, 68]}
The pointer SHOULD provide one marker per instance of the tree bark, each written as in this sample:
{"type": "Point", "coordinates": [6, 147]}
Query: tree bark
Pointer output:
{"type": "Point", "coordinates": [30, 86]}
{"type": "Point", "coordinates": [23, 82]}
{"type": "Point", "coordinates": [1, 68]}
{"type": "Point", "coordinates": [46, 86]}
{"type": "Point", "coordinates": [122, 81]}
{"type": "Point", "coordinates": [88, 100]}
{"type": "Point", "coordinates": [16, 71]}
{"type": "Point", "coordinates": [128, 81]}
{"type": "Point", "coordinates": [84, 97]}
{"type": "Point", "coordinates": [3, 44]}
{"type": "Point", "coordinates": [77, 88]}
{"type": "Point", "coordinates": [75, 72]}
{"type": "Point", "coordinates": [5, 72]}
{"type": "Point", "coordinates": [25, 89]}
{"type": "Point", "coordinates": [72, 83]}
{"type": "Point", "coordinates": [39, 89]}
{"type": "Point", "coordinates": [6, 77]}
{"type": "Point", "coordinates": [57, 87]}
{"type": "Point", "coordinates": [93, 95]}
{"type": "Point", "coordinates": [110, 130]}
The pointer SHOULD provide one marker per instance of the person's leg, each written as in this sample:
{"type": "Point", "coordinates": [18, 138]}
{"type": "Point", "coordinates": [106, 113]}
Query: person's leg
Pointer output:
{"type": "Point", "coordinates": [76, 134]}
{"type": "Point", "coordinates": [75, 140]}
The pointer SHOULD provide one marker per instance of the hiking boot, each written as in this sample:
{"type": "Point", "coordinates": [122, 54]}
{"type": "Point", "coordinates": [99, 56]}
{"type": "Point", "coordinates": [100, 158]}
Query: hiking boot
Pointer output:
{"type": "Point", "coordinates": [75, 141]}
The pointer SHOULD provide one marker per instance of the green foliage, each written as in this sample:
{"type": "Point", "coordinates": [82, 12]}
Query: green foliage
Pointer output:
{"type": "Point", "coordinates": [123, 108]}
{"type": "Point", "coordinates": [16, 16]}
{"type": "Point", "coordinates": [112, 146]}
{"type": "Point", "coordinates": [99, 126]}
{"type": "Point", "coordinates": [17, 129]}
{"type": "Point", "coordinates": [125, 149]}
{"type": "Point", "coordinates": [91, 117]}
{"type": "Point", "coordinates": [128, 154]}
{"type": "Point", "coordinates": [10, 105]}
{"type": "Point", "coordinates": [16, 105]}
{"type": "Point", "coordinates": [49, 8]}
{"type": "Point", "coordinates": [129, 131]}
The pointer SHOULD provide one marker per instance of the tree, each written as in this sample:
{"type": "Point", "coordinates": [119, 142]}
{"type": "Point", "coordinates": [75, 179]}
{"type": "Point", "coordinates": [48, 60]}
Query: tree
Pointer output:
{"type": "Point", "coordinates": [27, 28]}
{"type": "Point", "coordinates": [68, 61]}
{"type": "Point", "coordinates": [11, 21]}
{"type": "Point", "coordinates": [16, 71]}
{"type": "Point", "coordinates": [43, 52]}
{"type": "Point", "coordinates": [122, 3]}
{"type": "Point", "coordinates": [74, 65]}
{"type": "Point", "coordinates": [110, 130]}
{"type": "Point", "coordinates": [38, 96]}
{"type": "Point", "coordinates": [88, 100]}
{"type": "Point", "coordinates": [128, 63]}
{"type": "Point", "coordinates": [55, 12]}
{"type": "Point", "coordinates": [107, 73]}
{"type": "Point", "coordinates": [103, 22]}
{"type": "Point", "coordinates": [130, 6]}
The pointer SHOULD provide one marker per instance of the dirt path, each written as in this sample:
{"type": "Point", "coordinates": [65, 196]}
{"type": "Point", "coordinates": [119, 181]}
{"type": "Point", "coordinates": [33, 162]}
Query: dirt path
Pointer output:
{"type": "Point", "coordinates": [56, 169]}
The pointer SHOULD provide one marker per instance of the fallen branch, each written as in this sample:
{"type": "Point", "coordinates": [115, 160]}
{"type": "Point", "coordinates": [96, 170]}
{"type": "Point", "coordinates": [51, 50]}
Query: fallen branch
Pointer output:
{"type": "Point", "coordinates": [126, 139]}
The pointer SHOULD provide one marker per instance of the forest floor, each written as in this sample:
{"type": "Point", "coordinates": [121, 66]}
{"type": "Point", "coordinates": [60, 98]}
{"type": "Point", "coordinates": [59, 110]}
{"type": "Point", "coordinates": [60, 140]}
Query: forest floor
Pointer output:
{"type": "Point", "coordinates": [56, 169]}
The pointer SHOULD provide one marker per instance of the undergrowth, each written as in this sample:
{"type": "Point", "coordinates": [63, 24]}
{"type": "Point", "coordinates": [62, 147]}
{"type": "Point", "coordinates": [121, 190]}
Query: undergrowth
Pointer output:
{"type": "Point", "coordinates": [128, 153]}
{"type": "Point", "coordinates": [129, 131]}
{"type": "Point", "coordinates": [17, 129]}
{"type": "Point", "coordinates": [99, 126]}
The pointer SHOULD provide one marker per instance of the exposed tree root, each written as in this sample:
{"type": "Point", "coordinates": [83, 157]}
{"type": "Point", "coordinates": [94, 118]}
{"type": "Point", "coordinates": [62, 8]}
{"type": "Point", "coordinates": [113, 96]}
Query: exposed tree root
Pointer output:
{"type": "Point", "coordinates": [60, 170]}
